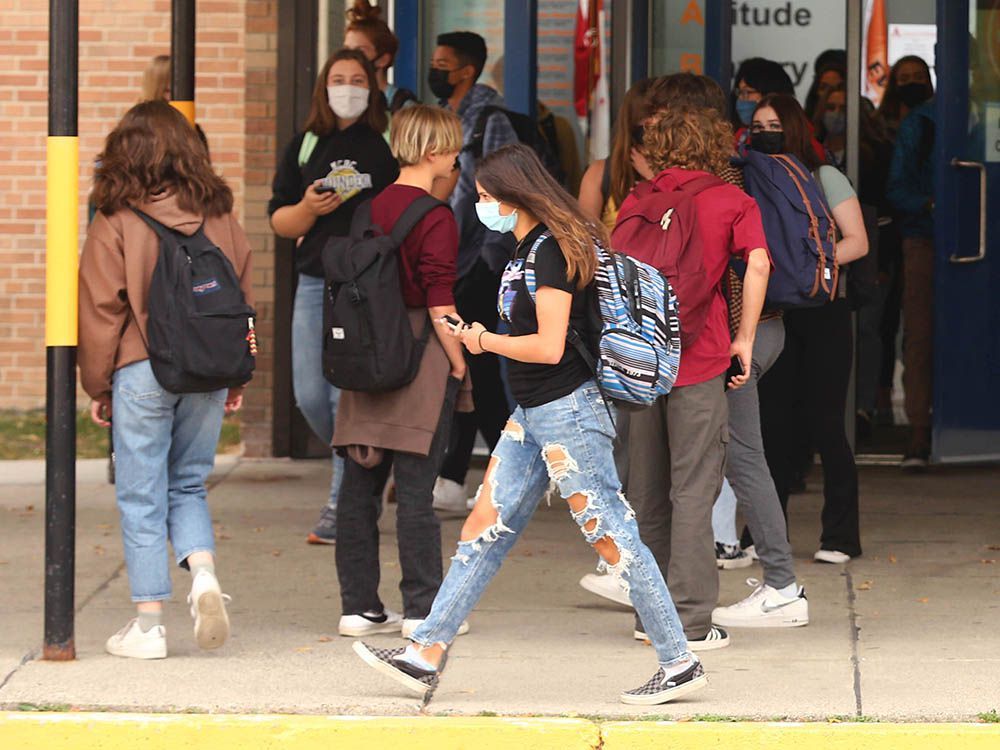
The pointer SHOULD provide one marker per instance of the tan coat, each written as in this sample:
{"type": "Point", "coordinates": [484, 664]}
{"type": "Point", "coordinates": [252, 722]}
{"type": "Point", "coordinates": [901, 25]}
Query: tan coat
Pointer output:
{"type": "Point", "coordinates": [116, 268]}
{"type": "Point", "coordinates": [404, 419]}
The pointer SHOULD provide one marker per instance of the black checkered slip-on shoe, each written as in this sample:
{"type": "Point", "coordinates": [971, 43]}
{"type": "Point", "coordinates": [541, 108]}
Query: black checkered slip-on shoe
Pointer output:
{"type": "Point", "coordinates": [663, 689]}
{"type": "Point", "coordinates": [385, 660]}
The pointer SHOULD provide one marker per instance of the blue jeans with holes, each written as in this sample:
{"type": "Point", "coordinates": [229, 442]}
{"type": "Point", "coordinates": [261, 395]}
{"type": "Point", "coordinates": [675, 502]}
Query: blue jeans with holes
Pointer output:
{"type": "Point", "coordinates": [569, 440]}
{"type": "Point", "coordinates": [314, 396]}
{"type": "Point", "coordinates": [164, 452]}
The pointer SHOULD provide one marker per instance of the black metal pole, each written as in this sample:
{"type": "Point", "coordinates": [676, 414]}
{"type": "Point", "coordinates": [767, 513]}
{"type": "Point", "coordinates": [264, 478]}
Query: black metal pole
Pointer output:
{"type": "Point", "coordinates": [182, 25]}
{"type": "Point", "coordinates": [62, 235]}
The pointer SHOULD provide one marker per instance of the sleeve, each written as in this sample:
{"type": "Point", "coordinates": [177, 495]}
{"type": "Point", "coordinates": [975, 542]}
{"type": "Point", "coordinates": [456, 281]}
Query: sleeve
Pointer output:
{"type": "Point", "coordinates": [550, 267]}
{"type": "Point", "coordinates": [286, 189]}
{"type": "Point", "coordinates": [103, 305]}
{"type": "Point", "coordinates": [835, 185]}
{"type": "Point", "coordinates": [748, 230]}
{"type": "Point", "coordinates": [244, 259]}
{"type": "Point", "coordinates": [439, 257]}
{"type": "Point", "coordinates": [499, 133]}
{"type": "Point", "coordinates": [904, 174]}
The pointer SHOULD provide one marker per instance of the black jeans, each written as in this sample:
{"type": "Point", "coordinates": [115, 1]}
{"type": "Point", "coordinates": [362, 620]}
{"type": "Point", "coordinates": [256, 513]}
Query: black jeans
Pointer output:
{"type": "Point", "coordinates": [476, 300]}
{"type": "Point", "coordinates": [814, 370]}
{"type": "Point", "coordinates": [418, 531]}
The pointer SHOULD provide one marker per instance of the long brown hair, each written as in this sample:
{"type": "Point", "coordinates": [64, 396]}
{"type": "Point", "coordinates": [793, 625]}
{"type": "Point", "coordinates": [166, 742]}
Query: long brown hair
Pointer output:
{"type": "Point", "coordinates": [636, 107]}
{"type": "Point", "coordinates": [514, 175]}
{"type": "Point", "coordinates": [795, 124]}
{"type": "Point", "coordinates": [889, 107]}
{"type": "Point", "coordinates": [154, 148]}
{"type": "Point", "coordinates": [689, 138]}
{"type": "Point", "coordinates": [322, 121]}
{"type": "Point", "coordinates": [366, 19]}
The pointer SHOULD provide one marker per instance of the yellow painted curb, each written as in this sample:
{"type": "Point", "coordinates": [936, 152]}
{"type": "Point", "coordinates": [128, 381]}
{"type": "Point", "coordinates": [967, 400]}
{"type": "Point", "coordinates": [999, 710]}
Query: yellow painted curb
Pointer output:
{"type": "Point", "coordinates": [118, 731]}
{"type": "Point", "coordinates": [846, 736]}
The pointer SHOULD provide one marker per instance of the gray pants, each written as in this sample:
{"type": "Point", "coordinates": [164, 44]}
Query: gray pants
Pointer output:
{"type": "Point", "coordinates": [677, 455]}
{"type": "Point", "coordinates": [746, 467]}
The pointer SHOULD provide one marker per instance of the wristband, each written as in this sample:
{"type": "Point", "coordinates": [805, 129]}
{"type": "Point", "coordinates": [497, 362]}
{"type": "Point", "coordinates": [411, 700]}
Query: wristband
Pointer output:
{"type": "Point", "coordinates": [479, 341]}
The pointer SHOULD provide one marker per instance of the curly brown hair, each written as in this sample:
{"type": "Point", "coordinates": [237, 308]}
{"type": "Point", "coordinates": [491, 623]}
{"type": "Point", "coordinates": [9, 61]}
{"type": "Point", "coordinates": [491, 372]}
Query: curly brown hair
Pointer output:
{"type": "Point", "coordinates": [367, 19]}
{"type": "Point", "coordinates": [154, 148]}
{"type": "Point", "coordinates": [688, 138]}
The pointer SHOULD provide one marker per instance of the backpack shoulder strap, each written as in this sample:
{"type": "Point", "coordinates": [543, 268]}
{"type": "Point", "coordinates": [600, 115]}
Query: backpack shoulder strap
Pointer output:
{"type": "Point", "coordinates": [529, 265]}
{"type": "Point", "coordinates": [701, 184]}
{"type": "Point", "coordinates": [309, 141]}
{"type": "Point", "coordinates": [412, 216]}
{"type": "Point", "coordinates": [163, 232]}
{"type": "Point", "coordinates": [475, 144]}
{"type": "Point", "coordinates": [400, 98]}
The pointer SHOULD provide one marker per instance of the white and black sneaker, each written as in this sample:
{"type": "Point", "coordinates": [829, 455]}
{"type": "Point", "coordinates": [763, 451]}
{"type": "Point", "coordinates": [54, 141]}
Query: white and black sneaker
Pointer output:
{"type": "Point", "coordinates": [731, 557]}
{"type": "Point", "coordinates": [387, 661]}
{"type": "Point", "coordinates": [370, 623]}
{"type": "Point", "coordinates": [766, 607]}
{"type": "Point", "coordinates": [715, 638]}
{"type": "Point", "coordinates": [663, 689]}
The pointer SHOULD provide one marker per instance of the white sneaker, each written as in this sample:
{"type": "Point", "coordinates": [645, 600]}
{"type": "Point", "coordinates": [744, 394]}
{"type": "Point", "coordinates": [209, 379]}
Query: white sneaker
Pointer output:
{"type": "Point", "coordinates": [208, 608]}
{"type": "Point", "coordinates": [764, 608]}
{"type": "Point", "coordinates": [831, 556]}
{"type": "Point", "coordinates": [450, 496]}
{"type": "Point", "coordinates": [751, 552]}
{"type": "Point", "coordinates": [370, 623]}
{"type": "Point", "coordinates": [412, 624]}
{"type": "Point", "coordinates": [130, 641]}
{"type": "Point", "coordinates": [606, 586]}
{"type": "Point", "coordinates": [716, 638]}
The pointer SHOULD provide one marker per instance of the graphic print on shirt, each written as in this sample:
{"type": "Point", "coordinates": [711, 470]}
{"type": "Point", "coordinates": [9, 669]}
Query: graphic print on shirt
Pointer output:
{"type": "Point", "coordinates": [346, 180]}
{"type": "Point", "coordinates": [505, 298]}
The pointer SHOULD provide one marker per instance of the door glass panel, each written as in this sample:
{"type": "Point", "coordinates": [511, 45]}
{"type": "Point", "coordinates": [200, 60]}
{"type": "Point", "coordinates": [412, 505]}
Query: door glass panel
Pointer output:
{"type": "Point", "coordinates": [984, 82]}
{"type": "Point", "coordinates": [678, 36]}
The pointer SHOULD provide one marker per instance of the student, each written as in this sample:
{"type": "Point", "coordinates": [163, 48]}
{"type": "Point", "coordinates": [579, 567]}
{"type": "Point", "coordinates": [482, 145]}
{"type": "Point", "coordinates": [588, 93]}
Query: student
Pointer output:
{"type": "Point", "coordinates": [677, 448]}
{"type": "Point", "coordinates": [405, 430]}
{"type": "Point", "coordinates": [368, 33]}
{"type": "Point", "coordinates": [911, 192]}
{"type": "Point", "coordinates": [164, 442]}
{"type": "Point", "coordinates": [456, 65]}
{"type": "Point", "coordinates": [343, 148]}
{"type": "Point", "coordinates": [830, 74]}
{"type": "Point", "coordinates": [909, 86]}
{"type": "Point", "coordinates": [818, 354]}
{"type": "Point", "coordinates": [561, 430]}
{"type": "Point", "coordinates": [156, 87]}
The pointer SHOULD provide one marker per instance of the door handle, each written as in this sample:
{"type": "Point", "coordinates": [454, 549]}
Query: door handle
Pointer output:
{"type": "Point", "coordinates": [959, 164]}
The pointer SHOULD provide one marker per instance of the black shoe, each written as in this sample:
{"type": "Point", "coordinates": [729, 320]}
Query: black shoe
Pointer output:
{"type": "Point", "coordinates": [662, 689]}
{"type": "Point", "coordinates": [386, 661]}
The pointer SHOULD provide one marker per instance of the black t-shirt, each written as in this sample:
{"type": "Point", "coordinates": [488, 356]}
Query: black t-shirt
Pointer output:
{"type": "Point", "coordinates": [538, 384]}
{"type": "Point", "coordinates": [357, 160]}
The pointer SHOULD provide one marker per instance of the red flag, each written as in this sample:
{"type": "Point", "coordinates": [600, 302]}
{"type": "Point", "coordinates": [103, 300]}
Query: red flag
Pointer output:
{"type": "Point", "coordinates": [586, 60]}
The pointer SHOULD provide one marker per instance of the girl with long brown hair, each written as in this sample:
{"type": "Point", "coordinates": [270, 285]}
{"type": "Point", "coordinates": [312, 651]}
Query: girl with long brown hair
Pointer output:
{"type": "Point", "coordinates": [561, 430]}
{"type": "Point", "coordinates": [154, 162]}
{"type": "Point", "coordinates": [339, 161]}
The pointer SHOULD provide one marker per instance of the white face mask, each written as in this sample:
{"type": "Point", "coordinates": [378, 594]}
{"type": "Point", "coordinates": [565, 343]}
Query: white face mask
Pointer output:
{"type": "Point", "coordinates": [347, 102]}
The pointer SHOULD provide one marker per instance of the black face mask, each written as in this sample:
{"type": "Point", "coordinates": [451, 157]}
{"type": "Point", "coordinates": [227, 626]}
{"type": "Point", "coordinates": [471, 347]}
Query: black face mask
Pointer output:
{"type": "Point", "coordinates": [768, 141]}
{"type": "Point", "coordinates": [437, 79]}
{"type": "Point", "coordinates": [913, 94]}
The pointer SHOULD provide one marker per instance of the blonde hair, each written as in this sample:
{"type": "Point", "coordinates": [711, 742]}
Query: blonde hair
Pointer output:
{"type": "Point", "coordinates": [421, 130]}
{"type": "Point", "coordinates": [688, 138]}
{"type": "Point", "coordinates": [156, 79]}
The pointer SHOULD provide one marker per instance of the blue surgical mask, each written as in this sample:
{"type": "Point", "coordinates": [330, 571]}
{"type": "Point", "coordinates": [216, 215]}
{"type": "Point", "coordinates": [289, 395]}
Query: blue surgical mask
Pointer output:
{"type": "Point", "coordinates": [489, 214]}
{"type": "Point", "coordinates": [745, 110]}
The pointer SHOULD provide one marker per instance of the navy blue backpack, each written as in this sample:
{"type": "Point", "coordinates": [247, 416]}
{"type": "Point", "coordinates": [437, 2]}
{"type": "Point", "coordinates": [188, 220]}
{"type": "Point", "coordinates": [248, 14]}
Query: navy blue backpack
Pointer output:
{"type": "Point", "coordinates": [801, 234]}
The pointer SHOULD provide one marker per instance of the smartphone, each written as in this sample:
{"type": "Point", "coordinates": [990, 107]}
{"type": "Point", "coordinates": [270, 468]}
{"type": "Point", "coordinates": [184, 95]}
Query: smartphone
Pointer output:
{"type": "Point", "coordinates": [735, 370]}
{"type": "Point", "coordinates": [325, 189]}
{"type": "Point", "coordinates": [452, 321]}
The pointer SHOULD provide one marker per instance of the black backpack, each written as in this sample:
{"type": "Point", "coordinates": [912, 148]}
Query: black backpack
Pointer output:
{"type": "Point", "coordinates": [539, 136]}
{"type": "Point", "coordinates": [368, 343]}
{"type": "Point", "coordinates": [400, 100]}
{"type": "Point", "coordinates": [200, 328]}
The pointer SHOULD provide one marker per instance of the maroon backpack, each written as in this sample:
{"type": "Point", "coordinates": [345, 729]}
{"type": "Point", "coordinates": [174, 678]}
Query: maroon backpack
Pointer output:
{"type": "Point", "coordinates": [658, 225]}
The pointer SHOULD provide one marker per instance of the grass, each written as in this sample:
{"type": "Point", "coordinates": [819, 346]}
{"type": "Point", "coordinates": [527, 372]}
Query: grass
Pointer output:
{"type": "Point", "coordinates": [22, 435]}
{"type": "Point", "coordinates": [990, 717]}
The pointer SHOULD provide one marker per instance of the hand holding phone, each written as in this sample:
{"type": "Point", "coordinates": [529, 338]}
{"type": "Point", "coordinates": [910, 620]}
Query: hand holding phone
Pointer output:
{"type": "Point", "coordinates": [735, 371]}
{"type": "Point", "coordinates": [454, 323]}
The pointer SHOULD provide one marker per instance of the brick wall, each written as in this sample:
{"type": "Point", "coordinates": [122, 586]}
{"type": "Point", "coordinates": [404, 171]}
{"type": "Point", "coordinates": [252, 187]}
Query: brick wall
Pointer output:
{"type": "Point", "coordinates": [117, 39]}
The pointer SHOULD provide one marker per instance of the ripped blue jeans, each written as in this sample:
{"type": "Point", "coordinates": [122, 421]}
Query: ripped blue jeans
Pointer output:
{"type": "Point", "coordinates": [570, 441]}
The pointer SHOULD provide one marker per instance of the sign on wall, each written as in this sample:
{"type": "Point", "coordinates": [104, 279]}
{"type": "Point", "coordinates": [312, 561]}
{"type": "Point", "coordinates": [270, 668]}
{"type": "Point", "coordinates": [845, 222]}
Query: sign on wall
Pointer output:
{"type": "Point", "coordinates": [791, 33]}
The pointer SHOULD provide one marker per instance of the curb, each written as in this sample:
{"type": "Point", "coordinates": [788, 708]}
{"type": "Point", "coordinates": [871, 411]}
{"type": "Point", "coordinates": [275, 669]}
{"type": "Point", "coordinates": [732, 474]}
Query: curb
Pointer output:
{"type": "Point", "coordinates": [111, 731]}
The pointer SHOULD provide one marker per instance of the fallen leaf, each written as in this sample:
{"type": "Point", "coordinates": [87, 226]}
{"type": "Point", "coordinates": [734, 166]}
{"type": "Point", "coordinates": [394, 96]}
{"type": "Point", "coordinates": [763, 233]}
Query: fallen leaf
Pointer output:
{"type": "Point", "coordinates": [223, 537]}
{"type": "Point", "coordinates": [866, 586]}
{"type": "Point", "coordinates": [303, 649]}
{"type": "Point", "coordinates": [276, 552]}
{"type": "Point", "coordinates": [994, 547]}
{"type": "Point", "coordinates": [259, 529]}
{"type": "Point", "coordinates": [988, 562]}
{"type": "Point", "coordinates": [325, 639]}
{"type": "Point", "coordinates": [99, 551]}
{"type": "Point", "coordinates": [104, 525]}
{"type": "Point", "coordinates": [29, 508]}
{"type": "Point", "coordinates": [923, 600]}
{"type": "Point", "coordinates": [892, 559]}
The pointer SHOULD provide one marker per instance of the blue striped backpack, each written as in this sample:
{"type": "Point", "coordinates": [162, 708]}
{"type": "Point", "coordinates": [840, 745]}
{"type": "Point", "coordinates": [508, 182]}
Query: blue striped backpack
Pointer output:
{"type": "Point", "coordinates": [640, 339]}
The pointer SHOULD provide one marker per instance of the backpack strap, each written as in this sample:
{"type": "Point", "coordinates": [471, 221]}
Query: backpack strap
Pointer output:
{"type": "Point", "coordinates": [412, 216]}
{"type": "Point", "coordinates": [475, 144]}
{"type": "Point", "coordinates": [309, 141]}
{"type": "Point", "coordinates": [400, 98]}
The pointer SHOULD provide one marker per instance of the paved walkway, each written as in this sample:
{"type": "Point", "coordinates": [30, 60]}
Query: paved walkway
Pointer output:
{"type": "Point", "coordinates": [909, 632]}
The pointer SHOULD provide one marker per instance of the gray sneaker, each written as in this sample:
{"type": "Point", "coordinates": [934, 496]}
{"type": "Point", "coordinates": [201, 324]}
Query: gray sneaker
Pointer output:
{"type": "Point", "coordinates": [325, 531]}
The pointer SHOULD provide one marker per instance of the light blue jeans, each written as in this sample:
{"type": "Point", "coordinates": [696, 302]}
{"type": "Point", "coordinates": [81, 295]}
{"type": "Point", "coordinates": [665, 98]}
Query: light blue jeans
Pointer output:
{"type": "Point", "coordinates": [724, 516]}
{"type": "Point", "coordinates": [164, 451]}
{"type": "Point", "coordinates": [569, 440]}
{"type": "Point", "coordinates": [315, 397]}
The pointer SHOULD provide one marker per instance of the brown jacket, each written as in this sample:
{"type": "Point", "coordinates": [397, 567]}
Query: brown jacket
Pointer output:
{"type": "Point", "coordinates": [116, 268]}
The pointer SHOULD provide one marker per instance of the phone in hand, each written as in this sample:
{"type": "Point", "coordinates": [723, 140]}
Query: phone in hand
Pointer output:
{"type": "Point", "coordinates": [321, 189]}
{"type": "Point", "coordinates": [735, 370]}
{"type": "Point", "coordinates": [454, 322]}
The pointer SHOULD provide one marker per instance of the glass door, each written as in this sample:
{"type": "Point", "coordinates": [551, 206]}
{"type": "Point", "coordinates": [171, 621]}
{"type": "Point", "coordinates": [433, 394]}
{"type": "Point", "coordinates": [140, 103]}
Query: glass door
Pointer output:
{"type": "Point", "coordinates": [966, 416]}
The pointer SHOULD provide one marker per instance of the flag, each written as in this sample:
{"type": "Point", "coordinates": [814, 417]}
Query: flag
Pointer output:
{"type": "Point", "coordinates": [600, 113]}
{"type": "Point", "coordinates": [586, 62]}
{"type": "Point", "coordinates": [876, 71]}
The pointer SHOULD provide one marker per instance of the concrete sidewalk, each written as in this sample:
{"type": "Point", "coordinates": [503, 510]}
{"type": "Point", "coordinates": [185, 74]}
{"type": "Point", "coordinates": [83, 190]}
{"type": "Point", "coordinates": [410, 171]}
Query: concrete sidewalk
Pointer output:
{"type": "Point", "coordinates": [907, 633]}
